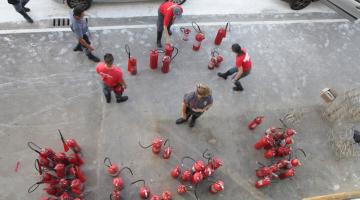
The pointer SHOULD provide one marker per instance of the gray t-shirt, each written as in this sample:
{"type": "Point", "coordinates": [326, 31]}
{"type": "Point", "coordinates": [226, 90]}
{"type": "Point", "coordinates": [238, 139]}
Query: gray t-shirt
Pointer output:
{"type": "Point", "coordinates": [79, 27]}
{"type": "Point", "coordinates": [192, 101]}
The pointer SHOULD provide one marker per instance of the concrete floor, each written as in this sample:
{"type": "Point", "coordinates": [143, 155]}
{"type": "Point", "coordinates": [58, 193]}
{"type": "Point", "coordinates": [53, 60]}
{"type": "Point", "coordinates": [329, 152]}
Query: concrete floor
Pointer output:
{"type": "Point", "coordinates": [45, 86]}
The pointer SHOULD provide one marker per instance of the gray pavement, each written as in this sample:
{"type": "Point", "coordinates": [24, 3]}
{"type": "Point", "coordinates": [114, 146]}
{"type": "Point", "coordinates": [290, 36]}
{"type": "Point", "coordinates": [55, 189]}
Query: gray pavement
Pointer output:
{"type": "Point", "coordinates": [45, 86]}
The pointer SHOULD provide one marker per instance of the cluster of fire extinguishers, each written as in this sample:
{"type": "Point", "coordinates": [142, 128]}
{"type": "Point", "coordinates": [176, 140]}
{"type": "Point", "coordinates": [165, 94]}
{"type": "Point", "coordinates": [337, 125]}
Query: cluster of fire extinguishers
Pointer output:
{"type": "Point", "coordinates": [277, 143]}
{"type": "Point", "coordinates": [60, 171]}
{"type": "Point", "coordinates": [168, 50]}
{"type": "Point", "coordinates": [198, 173]}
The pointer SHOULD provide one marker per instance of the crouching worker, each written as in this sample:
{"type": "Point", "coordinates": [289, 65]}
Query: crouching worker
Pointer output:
{"type": "Point", "coordinates": [195, 104]}
{"type": "Point", "coordinates": [112, 78]}
{"type": "Point", "coordinates": [242, 68]}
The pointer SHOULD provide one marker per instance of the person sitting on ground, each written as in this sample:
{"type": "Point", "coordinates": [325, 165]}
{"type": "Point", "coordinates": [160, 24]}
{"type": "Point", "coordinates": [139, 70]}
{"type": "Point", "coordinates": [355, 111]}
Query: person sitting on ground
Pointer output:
{"type": "Point", "coordinates": [195, 104]}
{"type": "Point", "coordinates": [112, 78]}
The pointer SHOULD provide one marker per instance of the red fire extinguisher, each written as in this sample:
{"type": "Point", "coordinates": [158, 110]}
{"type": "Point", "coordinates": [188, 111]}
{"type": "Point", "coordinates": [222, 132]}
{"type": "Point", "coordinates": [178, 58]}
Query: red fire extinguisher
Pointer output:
{"type": "Point", "coordinates": [70, 143]}
{"type": "Point", "coordinates": [118, 182]}
{"type": "Point", "coordinates": [46, 153]}
{"type": "Point", "coordinates": [76, 186]}
{"type": "Point", "coordinates": [208, 171]}
{"type": "Point", "coordinates": [60, 170]}
{"type": "Point", "coordinates": [197, 178]}
{"type": "Point", "coordinates": [175, 172]}
{"type": "Point", "coordinates": [132, 68]}
{"type": "Point", "coordinates": [155, 197]}
{"type": "Point", "coordinates": [199, 37]}
{"type": "Point", "coordinates": [155, 145]}
{"type": "Point", "coordinates": [166, 195]}
{"type": "Point", "coordinates": [186, 176]}
{"type": "Point", "coordinates": [112, 169]}
{"type": "Point", "coordinates": [154, 57]}
{"type": "Point", "coordinates": [167, 150]}
{"type": "Point", "coordinates": [186, 32]}
{"type": "Point", "coordinates": [215, 59]}
{"type": "Point", "coordinates": [263, 182]}
{"type": "Point", "coordinates": [167, 60]}
{"type": "Point", "coordinates": [221, 34]}
{"type": "Point", "coordinates": [115, 195]}
{"type": "Point", "coordinates": [287, 174]}
{"type": "Point", "coordinates": [216, 187]}
{"type": "Point", "coordinates": [266, 142]}
{"type": "Point", "coordinates": [255, 122]}
{"type": "Point", "coordinates": [197, 166]}
{"type": "Point", "coordinates": [144, 191]}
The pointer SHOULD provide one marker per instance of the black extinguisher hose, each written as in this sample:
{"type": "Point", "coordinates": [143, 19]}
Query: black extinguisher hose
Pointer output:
{"type": "Point", "coordinates": [107, 162]}
{"type": "Point", "coordinates": [215, 52]}
{"type": "Point", "coordinates": [122, 169]}
{"type": "Point", "coordinates": [127, 50]}
{"type": "Point", "coordinates": [34, 147]}
{"type": "Point", "coordinates": [196, 27]}
{"type": "Point", "coordinates": [176, 53]}
{"type": "Point", "coordinates": [141, 180]}
{"type": "Point", "coordinates": [227, 27]}
{"type": "Point", "coordinates": [34, 187]}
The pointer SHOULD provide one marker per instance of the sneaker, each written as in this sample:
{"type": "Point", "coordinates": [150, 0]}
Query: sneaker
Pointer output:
{"type": "Point", "coordinates": [27, 9]}
{"type": "Point", "coordinates": [93, 58]}
{"type": "Point", "coordinates": [159, 45]}
{"type": "Point", "coordinates": [170, 32]}
{"type": "Point", "coordinates": [122, 99]}
{"type": "Point", "coordinates": [180, 121]}
{"type": "Point", "coordinates": [78, 48]}
{"type": "Point", "coordinates": [108, 100]}
{"type": "Point", "coordinates": [222, 75]}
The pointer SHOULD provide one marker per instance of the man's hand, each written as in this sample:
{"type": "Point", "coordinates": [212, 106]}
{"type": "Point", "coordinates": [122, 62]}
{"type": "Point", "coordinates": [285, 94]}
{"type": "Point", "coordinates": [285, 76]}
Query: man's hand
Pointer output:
{"type": "Point", "coordinates": [91, 48]}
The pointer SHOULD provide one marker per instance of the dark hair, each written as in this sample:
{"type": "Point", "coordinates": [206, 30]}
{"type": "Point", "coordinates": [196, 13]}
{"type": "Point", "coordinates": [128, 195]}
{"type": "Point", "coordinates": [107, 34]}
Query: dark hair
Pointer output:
{"type": "Point", "coordinates": [109, 59]}
{"type": "Point", "coordinates": [237, 48]}
{"type": "Point", "coordinates": [78, 11]}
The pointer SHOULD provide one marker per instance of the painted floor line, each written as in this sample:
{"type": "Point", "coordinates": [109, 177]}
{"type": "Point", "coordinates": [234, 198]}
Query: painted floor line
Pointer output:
{"type": "Point", "coordinates": [141, 26]}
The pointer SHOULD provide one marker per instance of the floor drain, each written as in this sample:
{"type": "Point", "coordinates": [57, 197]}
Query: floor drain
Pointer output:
{"type": "Point", "coordinates": [62, 22]}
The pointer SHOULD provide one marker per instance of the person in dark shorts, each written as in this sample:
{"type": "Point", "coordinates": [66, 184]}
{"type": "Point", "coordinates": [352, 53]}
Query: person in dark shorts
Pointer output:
{"type": "Point", "coordinates": [80, 28]}
{"type": "Point", "coordinates": [112, 78]}
{"type": "Point", "coordinates": [167, 13]}
{"type": "Point", "coordinates": [242, 68]}
{"type": "Point", "coordinates": [195, 104]}
{"type": "Point", "coordinates": [19, 6]}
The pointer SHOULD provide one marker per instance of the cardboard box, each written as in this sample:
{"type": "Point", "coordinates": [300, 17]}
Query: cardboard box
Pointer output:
{"type": "Point", "coordinates": [328, 95]}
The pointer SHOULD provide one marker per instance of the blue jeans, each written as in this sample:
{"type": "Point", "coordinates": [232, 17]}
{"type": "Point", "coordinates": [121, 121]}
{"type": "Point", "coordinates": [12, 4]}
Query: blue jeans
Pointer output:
{"type": "Point", "coordinates": [234, 70]}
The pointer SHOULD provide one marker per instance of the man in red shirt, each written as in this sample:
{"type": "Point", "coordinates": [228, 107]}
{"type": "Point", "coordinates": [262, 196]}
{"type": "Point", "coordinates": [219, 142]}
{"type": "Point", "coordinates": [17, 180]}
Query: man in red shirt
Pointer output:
{"type": "Point", "coordinates": [112, 78]}
{"type": "Point", "coordinates": [242, 69]}
{"type": "Point", "coordinates": [167, 13]}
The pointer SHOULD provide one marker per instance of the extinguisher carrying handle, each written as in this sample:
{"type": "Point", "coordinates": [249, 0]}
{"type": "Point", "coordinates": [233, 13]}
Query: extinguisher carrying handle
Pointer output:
{"type": "Point", "coordinates": [34, 187]}
{"type": "Point", "coordinates": [107, 162]}
{"type": "Point", "coordinates": [261, 164]}
{"type": "Point", "coordinates": [196, 27]}
{"type": "Point", "coordinates": [34, 147]}
{"type": "Point", "coordinates": [127, 50]}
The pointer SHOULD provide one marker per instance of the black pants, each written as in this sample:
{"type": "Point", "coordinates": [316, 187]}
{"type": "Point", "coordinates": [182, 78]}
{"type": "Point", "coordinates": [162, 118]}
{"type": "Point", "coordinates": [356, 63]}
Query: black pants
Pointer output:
{"type": "Point", "coordinates": [190, 113]}
{"type": "Point", "coordinates": [107, 92]}
{"type": "Point", "coordinates": [87, 40]}
{"type": "Point", "coordinates": [160, 26]}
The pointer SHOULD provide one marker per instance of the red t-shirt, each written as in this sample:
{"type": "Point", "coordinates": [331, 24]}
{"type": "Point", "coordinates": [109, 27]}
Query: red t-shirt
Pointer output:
{"type": "Point", "coordinates": [167, 11]}
{"type": "Point", "coordinates": [110, 76]}
{"type": "Point", "coordinates": [243, 61]}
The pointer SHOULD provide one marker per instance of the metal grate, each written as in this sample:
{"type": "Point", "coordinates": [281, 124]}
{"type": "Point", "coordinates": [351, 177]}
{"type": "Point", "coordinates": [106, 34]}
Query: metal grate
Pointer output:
{"type": "Point", "coordinates": [62, 22]}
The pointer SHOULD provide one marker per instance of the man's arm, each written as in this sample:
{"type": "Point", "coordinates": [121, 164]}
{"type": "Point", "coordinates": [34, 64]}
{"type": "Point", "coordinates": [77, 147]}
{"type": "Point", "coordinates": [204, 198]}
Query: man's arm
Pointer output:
{"type": "Point", "coordinates": [167, 35]}
{"type": "Point", "coordinates": [85, 44]}
{"type": "Point", "coordinates": [183, 110]}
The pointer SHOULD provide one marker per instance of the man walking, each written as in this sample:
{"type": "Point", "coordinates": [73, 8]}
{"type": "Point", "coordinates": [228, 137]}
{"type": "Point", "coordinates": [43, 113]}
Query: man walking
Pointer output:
{"type": "Point", "coordinates": [195, 104]}
{"type": "Point", "coordinates": [167, 13]}
{"type": "Point", "coordinates": [112, 78]}
{"type": "Point", "coordinates": [19, 6]}
{"type": "Point", "coordinates": [80, 27]}
{"type": "Point", "coordinates": [242, 68]}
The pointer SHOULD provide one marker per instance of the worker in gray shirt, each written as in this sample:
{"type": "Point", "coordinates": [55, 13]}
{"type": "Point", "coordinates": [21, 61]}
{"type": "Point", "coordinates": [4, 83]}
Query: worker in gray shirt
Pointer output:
{"type": "Point", "coordinates": [19, 6]}
{"type": "Point", "coordinates": [195, 104]}
{"type": "Point", "coordinates": [80, 27]}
